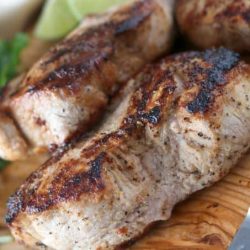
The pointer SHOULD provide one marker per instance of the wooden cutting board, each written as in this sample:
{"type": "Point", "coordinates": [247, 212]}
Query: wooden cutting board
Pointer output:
{"type": "Point", "coordinates": [207, 220]}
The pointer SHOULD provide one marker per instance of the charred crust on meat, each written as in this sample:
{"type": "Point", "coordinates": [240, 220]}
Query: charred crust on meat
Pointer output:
{"type": "Point", "coordinates": [87, 51]}
{"type": "Point", "coordinates": [71, 75]}
{"type": "Point", "coordinates": [64, 186]}
{"type": "Point", "coordinates": [145, 107]}
{"type": "Point", "coordinates": [221, 61]}
{"type": "Point", "coordinates": [78, 183]}
{"type": "Point", "coordinates": [138, 15]}
{"type": "Point", "coordinates": [14, 206]}
{"type": "Point", "coordinates": [236, 11]}
{"type": "Point", "coordinates": [153, 115]}
{"type": "Point", "coordinates": [95, 170]}
{"type": "Point", "coordinates": [130, 17]}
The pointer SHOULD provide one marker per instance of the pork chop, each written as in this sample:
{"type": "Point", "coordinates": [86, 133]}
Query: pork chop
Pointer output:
{"type": "Point", "coordinates": [67, 90]}
{"type": "Point", "coordinates": [214, 23]}
{"type": "Point", "coordinates": [181, 131]}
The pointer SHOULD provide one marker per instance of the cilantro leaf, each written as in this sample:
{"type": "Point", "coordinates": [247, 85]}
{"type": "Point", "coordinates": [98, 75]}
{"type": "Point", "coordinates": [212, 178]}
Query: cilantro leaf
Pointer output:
{"type": "Point", "coordinates": [3, 164]}
{"type": "Point", "coordinates": [10, 56]}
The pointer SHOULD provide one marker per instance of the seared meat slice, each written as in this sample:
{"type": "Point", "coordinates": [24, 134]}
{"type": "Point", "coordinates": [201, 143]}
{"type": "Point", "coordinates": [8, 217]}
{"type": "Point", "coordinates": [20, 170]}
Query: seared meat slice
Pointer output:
{"type": "Point", "coordinates": [209, 23]}
{"type": "Point", "coordinates": [180, 131]}
{"type": "Point", "coordinates": [68, 89]}
{"type": "Point", "coordinates": [12, 144]}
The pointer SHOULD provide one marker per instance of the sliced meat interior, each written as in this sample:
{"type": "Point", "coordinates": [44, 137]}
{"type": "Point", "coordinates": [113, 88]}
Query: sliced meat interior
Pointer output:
{"type": "Point", "coordinates": [13, 146]}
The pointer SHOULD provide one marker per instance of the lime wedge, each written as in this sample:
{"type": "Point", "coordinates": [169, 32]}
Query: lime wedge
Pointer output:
{"type": "Point", "coordinates": [56, 20]}
{"type": "Point", "coordinates": [59, 17]}
{"type": "Point", "coordinates": [83, 7]}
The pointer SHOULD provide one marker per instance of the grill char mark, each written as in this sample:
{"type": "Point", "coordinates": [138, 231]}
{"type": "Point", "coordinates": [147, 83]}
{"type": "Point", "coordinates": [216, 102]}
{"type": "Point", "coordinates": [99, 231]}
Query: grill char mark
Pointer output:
{"type": "Point", "coordinates": [77, 59]}
{"type": "Point", "coordinates": [237, 11]}
{"type": "Point", "coordinates": [15, 205]}
{"type": "Point", "coordinates": [221, 61]}
{"type": "Point", "coordinates": [82, 182]}
{"type": "Point", "coordinates": [65, 186]}
{"type": "Point", "coordinates": [71, 76]}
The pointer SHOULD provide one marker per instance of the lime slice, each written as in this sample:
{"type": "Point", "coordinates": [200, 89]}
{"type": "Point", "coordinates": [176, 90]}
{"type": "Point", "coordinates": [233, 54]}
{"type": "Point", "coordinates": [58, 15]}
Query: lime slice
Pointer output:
{"type": "Point", "coordinates": [56, 21]}
{"type": "Point", "coordinates": [83, 7]}
{"type": "Point", "coordinates": [59, 17]}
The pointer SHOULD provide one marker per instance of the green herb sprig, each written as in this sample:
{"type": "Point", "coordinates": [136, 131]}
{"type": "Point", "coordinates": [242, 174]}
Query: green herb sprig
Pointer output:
{"type": "Point", "coordinates": [9, 61]}
{"type": "Point", "coordinates": [10, 56]}
{"type": "Point", "coordinates": [3, 164]}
